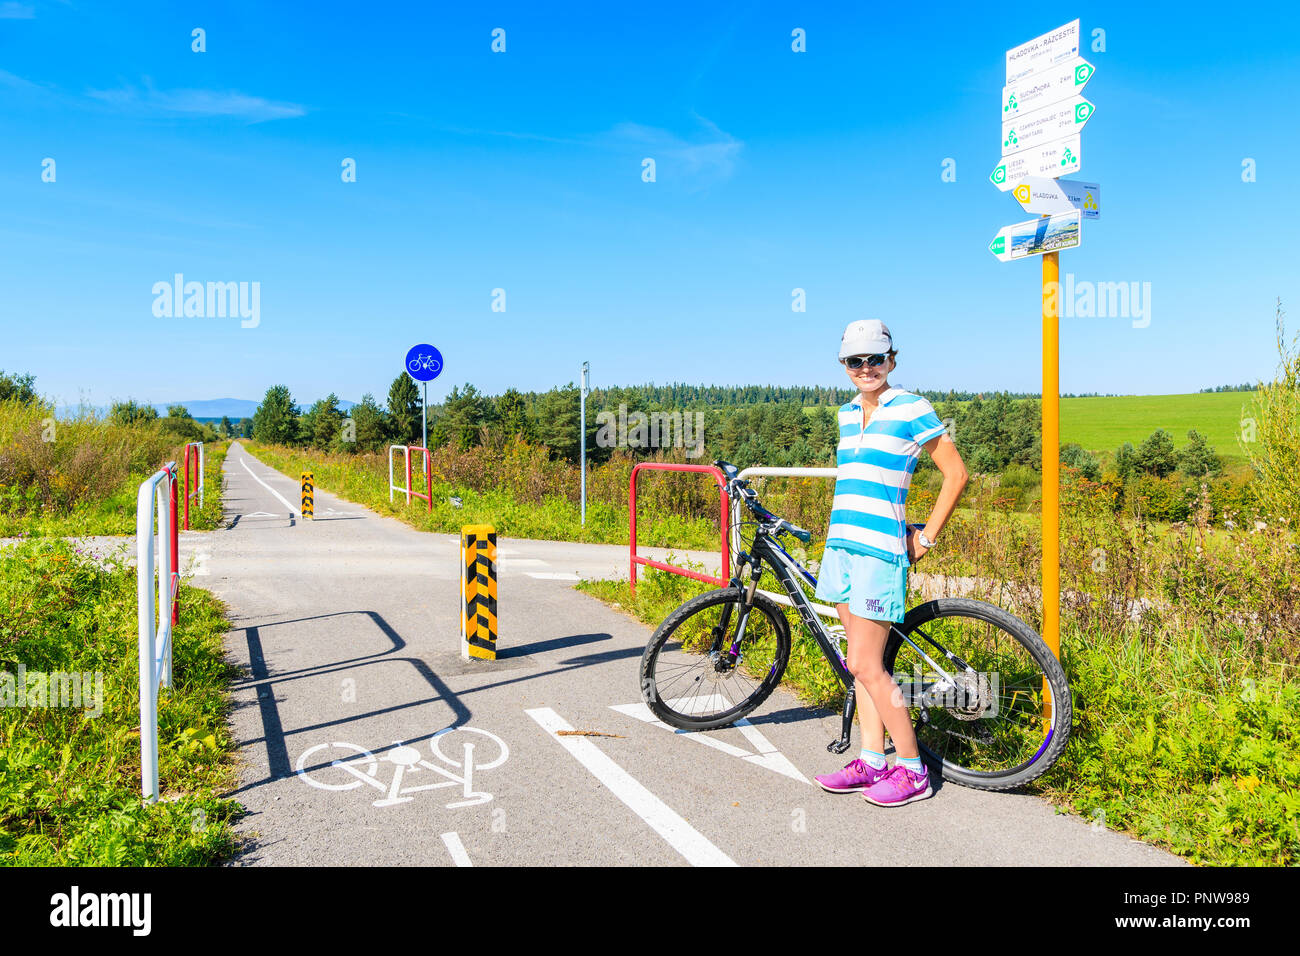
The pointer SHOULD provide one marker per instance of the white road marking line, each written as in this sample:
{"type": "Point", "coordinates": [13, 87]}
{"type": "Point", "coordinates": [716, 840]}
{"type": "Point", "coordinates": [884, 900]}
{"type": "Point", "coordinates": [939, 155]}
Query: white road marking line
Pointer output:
{"type": "Point", "coordinates": [552, 575]}
{"type": "Point", "coordinates": [457, 849]}
{"type": "Point", "coordinates": [681, 836]}
{"type": "Point", "coordinates": [768, 756]}
{"type": "Point", "coordinates": [244, 462]}
{"type": "Point", "coordinates": [532, 562]}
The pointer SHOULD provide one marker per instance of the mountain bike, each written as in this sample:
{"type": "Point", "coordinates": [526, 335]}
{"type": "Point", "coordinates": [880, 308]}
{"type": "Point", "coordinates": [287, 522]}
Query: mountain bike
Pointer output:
{"type": "Point", "coordinates": [989, 700]}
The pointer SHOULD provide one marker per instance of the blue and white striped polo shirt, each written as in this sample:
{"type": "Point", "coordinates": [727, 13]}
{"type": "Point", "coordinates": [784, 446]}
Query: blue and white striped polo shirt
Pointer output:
{"type": "Point", "coordinates": [874, 470]}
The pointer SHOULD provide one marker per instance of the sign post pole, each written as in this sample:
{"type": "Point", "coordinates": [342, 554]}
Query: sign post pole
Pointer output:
{"type": "Point", "coordinates": [582, 429]}
{"type": "Point", "coordinates": [1051, 459]}
{"type": "Point", "coordinates": [423, 363]}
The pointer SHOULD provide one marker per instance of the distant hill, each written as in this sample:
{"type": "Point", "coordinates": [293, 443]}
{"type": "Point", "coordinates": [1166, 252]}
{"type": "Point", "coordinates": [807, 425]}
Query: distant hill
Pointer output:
{"type": "Point", "coordinates": [232, 408]}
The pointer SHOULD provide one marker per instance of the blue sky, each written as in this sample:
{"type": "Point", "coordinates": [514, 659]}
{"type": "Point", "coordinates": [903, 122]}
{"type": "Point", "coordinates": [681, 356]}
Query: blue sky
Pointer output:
{"type": "Point", "coordinates": [522, 171]}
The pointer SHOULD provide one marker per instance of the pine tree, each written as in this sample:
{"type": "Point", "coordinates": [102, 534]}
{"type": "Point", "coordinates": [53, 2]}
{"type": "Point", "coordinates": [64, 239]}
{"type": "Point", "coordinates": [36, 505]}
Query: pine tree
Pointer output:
{"type": "Point", "coordinates": [371, 424]}
{"type": "Point", "coordinates": [404, 409]}
{"type": "Point", "coordinates": [1156, 455]}
{"type": "Point", "coordinates": [512, 412]}
{"type": "Point", "coordinates": [276, 420]}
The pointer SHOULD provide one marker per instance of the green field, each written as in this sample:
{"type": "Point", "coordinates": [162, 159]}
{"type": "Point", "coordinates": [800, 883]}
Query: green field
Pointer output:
{"type": "Point", "coordinates": [1103, 424]}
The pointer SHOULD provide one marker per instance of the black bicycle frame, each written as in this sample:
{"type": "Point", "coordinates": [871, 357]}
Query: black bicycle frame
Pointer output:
{"type": "Point", "coordinates": [767, 550]}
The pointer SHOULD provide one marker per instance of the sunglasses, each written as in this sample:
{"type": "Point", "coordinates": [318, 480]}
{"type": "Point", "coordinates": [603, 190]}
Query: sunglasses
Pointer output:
{"type": "Point", "coordinates": [856, 362]}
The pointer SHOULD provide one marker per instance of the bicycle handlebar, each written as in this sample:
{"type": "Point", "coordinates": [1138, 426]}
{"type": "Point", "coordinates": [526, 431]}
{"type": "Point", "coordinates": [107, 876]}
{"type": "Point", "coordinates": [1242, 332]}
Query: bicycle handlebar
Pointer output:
{"type": "Point", "coordinates": [739, 488]}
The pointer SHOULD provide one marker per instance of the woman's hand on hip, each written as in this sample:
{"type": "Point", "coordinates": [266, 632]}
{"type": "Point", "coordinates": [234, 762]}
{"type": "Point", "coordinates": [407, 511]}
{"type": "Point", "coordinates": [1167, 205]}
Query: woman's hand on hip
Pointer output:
{"type": "Point", "coordinates": [915, 550]}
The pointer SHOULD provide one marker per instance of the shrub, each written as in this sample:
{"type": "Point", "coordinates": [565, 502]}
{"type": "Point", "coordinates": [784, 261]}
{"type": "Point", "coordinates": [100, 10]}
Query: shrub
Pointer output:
{"type": "Point", "coordinates": [1271, 433]}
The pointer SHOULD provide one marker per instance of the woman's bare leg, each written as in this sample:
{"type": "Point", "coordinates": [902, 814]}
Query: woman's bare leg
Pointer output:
{"type": "Point", "coordinates": [872, 727]}
{"type": "Point", "coordinates": [875, 687]}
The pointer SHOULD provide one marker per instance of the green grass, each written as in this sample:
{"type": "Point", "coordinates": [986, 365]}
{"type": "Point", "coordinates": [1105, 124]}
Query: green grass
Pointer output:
{"type": "Point", "coordinates": [1177, 744]}
{"type": "Point", "coordinates": [70, 781]}
{"type": "Point", "coordinates": [1103, 424]}
{"type": "Point", "coordinates": [79, 476]}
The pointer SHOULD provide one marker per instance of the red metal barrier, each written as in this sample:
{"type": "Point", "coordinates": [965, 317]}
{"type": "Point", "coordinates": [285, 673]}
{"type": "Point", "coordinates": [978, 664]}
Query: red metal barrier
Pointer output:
{"type": "Point", "coordinates": [192, 453]}
{"type": "Point", "coordinates": [634, 559]}
{"type": "Point", "coordinates": [428, 475]}
{"type": "Point", "coordinates": [175, 578]}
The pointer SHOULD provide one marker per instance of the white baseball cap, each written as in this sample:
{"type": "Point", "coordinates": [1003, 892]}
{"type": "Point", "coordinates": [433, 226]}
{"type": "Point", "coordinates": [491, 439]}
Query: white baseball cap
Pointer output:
{"type": "Point", "coordinates": [865, 337]}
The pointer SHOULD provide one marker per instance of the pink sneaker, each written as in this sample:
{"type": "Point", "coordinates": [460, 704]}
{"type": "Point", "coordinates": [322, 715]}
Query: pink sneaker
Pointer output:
{"type": "Point", "coordinates": [854, 777]}
{"type": "Point", "coordinates": [899, 786]}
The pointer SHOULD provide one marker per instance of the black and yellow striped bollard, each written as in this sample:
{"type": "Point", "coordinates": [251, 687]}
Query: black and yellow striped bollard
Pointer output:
{"type": "Point", "coordinates": [308, 494]}
{"type": "Point", "coordinates": [478, 592]}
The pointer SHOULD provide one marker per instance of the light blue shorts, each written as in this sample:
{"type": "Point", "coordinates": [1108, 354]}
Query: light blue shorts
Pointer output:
{"type": "Point", "coordinates": [872, 587]}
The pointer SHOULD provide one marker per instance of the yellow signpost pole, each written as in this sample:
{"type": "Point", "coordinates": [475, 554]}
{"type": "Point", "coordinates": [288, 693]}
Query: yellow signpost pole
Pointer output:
{"type": "Point", "coordinates": [1051, 463]}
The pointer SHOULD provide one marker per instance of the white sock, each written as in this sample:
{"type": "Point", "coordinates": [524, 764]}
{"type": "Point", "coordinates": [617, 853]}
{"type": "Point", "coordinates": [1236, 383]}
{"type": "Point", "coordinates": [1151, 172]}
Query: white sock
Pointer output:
{"type": "Point", "coordinates": [873, 760]}
{"type": "Point", "coordinates": [913, 764]}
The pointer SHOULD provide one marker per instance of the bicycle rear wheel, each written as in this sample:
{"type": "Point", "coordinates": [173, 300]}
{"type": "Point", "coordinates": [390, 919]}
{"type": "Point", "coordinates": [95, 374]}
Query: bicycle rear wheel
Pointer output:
{"type": "Point", "coordinates": [1005, 724]}
{"type": "Point", "coordinates": [686, 679]}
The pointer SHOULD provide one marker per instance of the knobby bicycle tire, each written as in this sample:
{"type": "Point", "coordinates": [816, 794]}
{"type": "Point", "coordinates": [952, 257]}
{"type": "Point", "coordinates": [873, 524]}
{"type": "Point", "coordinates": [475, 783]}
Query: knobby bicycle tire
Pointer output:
{"type": "Point", "coordinates": [1063, 709]}
{"type": "Point", "coordinates": [650, 657]}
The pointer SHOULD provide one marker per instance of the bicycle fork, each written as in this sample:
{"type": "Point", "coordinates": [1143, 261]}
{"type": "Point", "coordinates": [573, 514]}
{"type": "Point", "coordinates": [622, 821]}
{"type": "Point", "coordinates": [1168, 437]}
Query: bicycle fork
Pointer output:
{"type": "Point", "coordinates": [733, 653]}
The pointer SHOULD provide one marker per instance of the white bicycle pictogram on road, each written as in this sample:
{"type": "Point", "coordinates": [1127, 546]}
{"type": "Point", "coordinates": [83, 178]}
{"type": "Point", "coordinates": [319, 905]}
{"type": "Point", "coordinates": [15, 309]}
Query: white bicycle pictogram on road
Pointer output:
{"type": "Point", "coordinates": [362, 767]}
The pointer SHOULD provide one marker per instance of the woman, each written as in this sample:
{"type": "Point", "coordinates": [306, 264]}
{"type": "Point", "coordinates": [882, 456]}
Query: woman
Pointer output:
{"type": "Point", "coordinates": [869, 548]}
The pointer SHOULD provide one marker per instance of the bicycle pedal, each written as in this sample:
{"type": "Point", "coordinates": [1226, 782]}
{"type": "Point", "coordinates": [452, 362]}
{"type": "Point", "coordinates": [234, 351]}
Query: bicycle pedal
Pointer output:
{"type": "Point", "coordinates": [838, 746]}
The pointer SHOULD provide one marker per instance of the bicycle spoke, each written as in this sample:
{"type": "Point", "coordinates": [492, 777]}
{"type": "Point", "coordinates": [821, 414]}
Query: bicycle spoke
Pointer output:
{"type": "Point", "coordinates": [692, 673]}
{"type": "Point", "coordinates": [979, 727]}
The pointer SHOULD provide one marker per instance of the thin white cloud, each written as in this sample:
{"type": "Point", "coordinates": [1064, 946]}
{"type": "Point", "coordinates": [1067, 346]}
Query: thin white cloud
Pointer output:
{"type": "Point", "coordinates": [255, 109]}
{"type": "Point", "coordinates": [17, 82]}
{"type": "Point", "coordinates": [17, 11]}
{"type": "Point", "coordinates": [710, 155]}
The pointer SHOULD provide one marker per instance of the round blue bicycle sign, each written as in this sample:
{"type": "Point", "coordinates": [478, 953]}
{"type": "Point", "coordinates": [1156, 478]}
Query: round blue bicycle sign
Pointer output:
{"type": "Point", "coordinates": [423, 363]}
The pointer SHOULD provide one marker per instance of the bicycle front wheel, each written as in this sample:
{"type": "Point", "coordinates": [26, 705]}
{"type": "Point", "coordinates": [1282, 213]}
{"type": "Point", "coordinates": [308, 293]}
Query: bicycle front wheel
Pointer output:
{"type": "Point", "coordinates": [687, 677]}
{"type": "Point", "coordinates": [1008, 719]}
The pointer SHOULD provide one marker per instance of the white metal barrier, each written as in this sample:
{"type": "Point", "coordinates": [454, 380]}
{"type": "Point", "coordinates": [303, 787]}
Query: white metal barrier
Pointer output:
{"type": "Point", "coordinates": [821, 609]}
{"type": "Point", "coordinates": [406, 450]}
{"type": "Point", "coordinates": [157, 495]}
{"type": "Point", "coordinates": [409, 490]}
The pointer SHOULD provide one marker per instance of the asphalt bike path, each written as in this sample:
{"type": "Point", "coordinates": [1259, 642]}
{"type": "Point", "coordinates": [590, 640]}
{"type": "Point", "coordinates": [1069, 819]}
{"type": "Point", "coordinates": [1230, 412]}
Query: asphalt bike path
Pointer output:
{"type": "Point", "coordinates": [357, 720]}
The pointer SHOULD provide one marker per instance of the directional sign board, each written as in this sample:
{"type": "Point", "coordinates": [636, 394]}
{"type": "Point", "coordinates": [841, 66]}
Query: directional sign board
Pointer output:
{"type": "Point", "coordinates": [1050, 160]}
{"type": "Point", "coordinates": [1041, 52]}
{"type": "Point", "coordinates": [1037, 236]}
{"type": "Point", "coordinates": [1051, 197]}
{"type": "Point", "coordinates": [1051, 123]}
{"type": "Point", "coordinates": [1044, 88]}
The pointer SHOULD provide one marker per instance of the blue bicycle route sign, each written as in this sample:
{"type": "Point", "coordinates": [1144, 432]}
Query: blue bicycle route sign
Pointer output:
{"type": "Point", "coordinates": [423, 363]}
